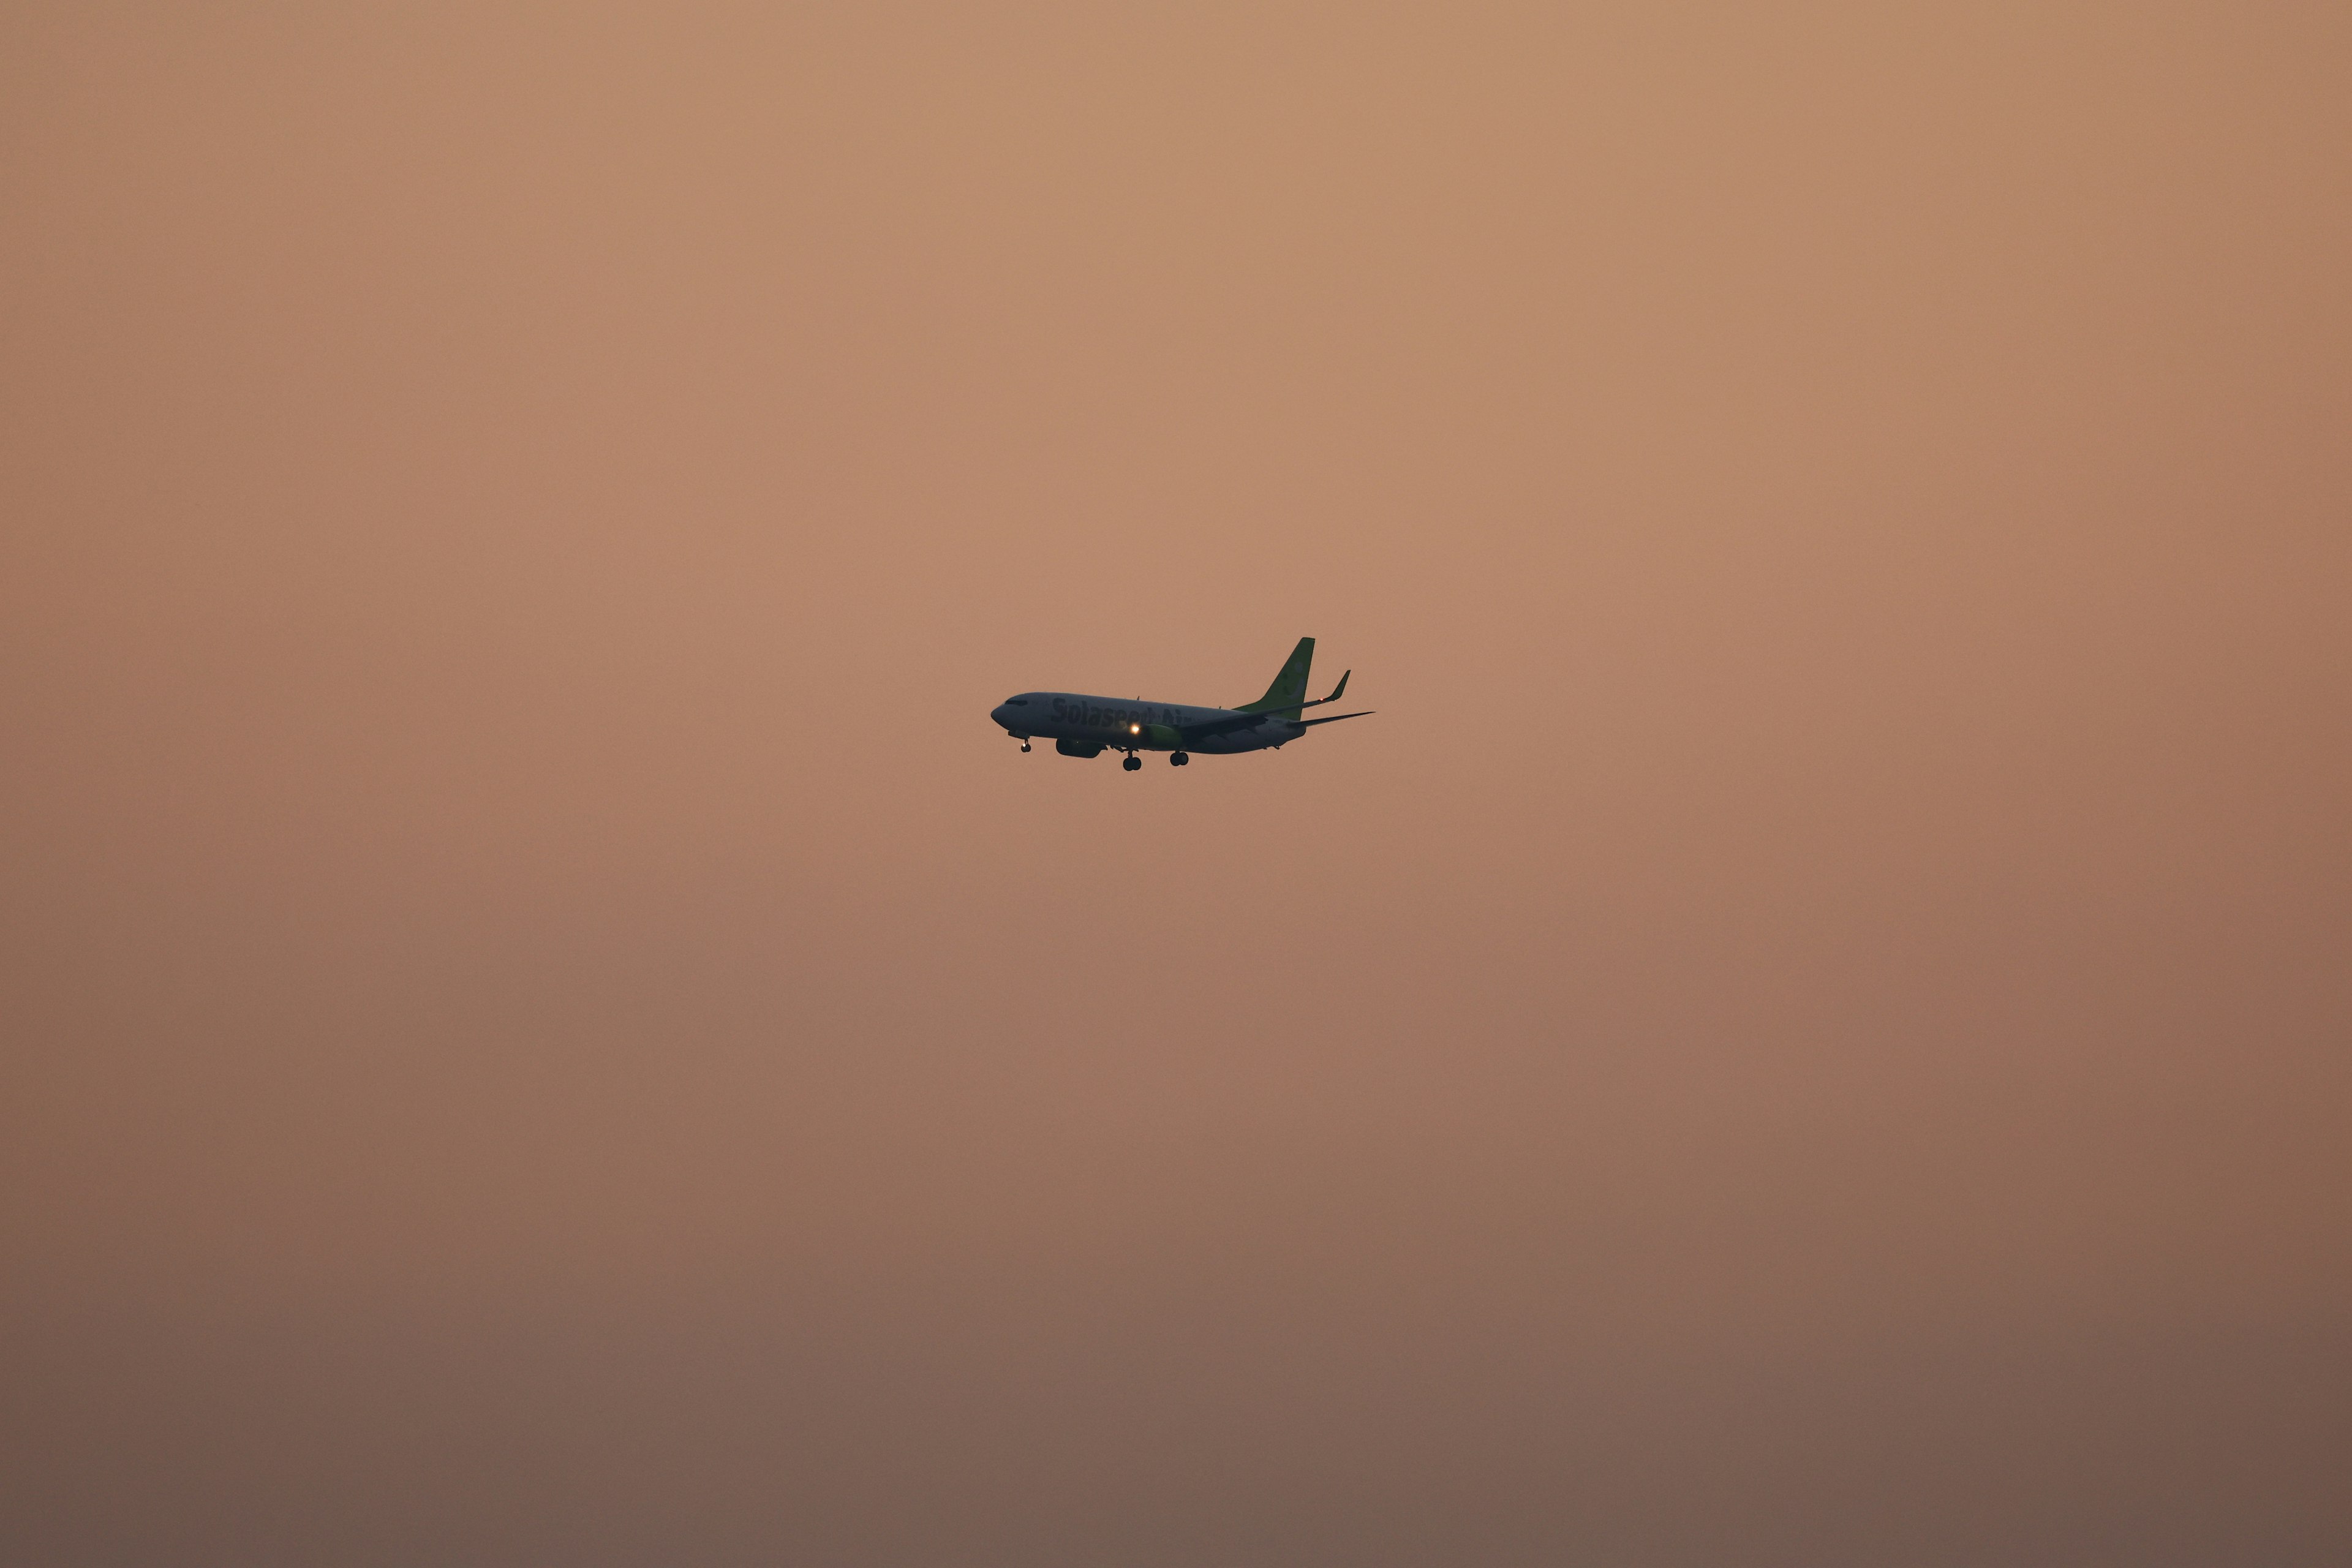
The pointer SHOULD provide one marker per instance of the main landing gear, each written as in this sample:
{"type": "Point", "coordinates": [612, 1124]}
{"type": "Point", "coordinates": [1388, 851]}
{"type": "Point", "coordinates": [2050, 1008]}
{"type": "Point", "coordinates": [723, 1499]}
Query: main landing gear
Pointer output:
{"type": "Point", "coordinates": [1131, 762]}
{"type": "Point", "coordinates": [1178, 759]}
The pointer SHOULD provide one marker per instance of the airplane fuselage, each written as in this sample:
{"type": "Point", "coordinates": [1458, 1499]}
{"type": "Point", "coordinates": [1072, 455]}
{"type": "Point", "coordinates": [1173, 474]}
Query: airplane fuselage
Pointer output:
{"type": "Point", "coordinates": [1123, 724]}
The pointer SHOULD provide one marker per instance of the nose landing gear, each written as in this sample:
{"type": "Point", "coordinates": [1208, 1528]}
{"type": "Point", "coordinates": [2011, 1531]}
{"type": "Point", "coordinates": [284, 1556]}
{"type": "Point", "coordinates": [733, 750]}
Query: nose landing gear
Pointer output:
{"type": "Point", "coordinates": [1025, 745]}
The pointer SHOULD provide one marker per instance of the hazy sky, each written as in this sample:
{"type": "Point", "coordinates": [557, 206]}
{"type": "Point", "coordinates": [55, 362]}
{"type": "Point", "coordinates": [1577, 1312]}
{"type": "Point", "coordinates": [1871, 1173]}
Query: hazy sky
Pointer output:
{"type": "Point", "coordinates": [542, 1023]}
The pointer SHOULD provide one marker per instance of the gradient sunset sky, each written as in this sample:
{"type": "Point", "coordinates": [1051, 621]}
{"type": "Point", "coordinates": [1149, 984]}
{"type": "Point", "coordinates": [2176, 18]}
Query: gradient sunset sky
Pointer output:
{"type": "Point", "coordinates": [541, 1023]}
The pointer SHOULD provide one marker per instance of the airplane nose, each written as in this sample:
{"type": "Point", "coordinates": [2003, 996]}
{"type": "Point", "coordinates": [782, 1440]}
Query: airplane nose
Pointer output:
{"type": "Point", "coordinates": [997, 713]}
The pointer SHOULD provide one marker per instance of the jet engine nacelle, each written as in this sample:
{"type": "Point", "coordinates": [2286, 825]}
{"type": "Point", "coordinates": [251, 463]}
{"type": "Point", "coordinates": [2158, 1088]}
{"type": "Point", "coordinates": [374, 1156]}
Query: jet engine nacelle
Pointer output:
{"type": "Point", "coordinates": [1078, 748]}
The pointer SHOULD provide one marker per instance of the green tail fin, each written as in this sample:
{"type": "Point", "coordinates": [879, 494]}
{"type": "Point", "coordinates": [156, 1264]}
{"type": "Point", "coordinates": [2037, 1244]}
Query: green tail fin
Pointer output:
{"type": "Point", "coordinates": [1288, 692]}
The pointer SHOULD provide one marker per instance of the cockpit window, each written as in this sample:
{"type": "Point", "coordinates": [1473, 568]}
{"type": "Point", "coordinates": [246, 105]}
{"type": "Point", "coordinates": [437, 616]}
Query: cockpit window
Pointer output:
{"type": "Point", "coordinates": [1016, 702]}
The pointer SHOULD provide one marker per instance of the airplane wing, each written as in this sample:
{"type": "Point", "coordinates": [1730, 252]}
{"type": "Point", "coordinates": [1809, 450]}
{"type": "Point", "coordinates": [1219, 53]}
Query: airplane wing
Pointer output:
{"type": "Point", "coordinates": [1192, 732]}
{"type": "Point", "coordinates": [1201, 732]}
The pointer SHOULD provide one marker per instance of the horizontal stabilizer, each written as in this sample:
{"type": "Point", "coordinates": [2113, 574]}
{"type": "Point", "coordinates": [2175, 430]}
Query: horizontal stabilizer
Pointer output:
{"type": "Point", "coordinates": [1334, 719]}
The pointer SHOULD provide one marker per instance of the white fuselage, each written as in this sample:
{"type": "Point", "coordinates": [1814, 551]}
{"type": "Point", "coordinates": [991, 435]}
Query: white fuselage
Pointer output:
{"type": "Point", "coordinates": [1120, 724]}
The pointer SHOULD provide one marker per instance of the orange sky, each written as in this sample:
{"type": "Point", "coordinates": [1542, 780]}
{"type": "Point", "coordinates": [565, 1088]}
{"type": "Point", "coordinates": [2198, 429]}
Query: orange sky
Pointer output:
{"type": "Point", "coordinates": [543, 1023]}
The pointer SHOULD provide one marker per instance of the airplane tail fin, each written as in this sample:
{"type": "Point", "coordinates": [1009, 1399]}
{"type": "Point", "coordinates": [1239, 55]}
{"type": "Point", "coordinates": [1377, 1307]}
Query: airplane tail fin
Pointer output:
{"type": "Point", "coordinates": [1288, 692]}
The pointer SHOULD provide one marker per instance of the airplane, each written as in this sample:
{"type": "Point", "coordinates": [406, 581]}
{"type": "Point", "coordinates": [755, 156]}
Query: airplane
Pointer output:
{"type": "Point", "coordinates": [1082, 726]}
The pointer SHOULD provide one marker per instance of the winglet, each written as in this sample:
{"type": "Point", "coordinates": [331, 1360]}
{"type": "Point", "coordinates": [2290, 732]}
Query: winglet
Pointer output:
{"type": "Point", "coordinates": [1335, 692]}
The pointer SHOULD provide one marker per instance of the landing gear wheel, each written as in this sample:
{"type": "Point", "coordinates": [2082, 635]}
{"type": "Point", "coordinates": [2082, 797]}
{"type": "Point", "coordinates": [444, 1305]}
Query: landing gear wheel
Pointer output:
{"type": "Point", "coordinates": [1178, 759]}
{"type": "Point", "coordinates": [1132, 763]}
{"type": "Point", "coordinates": [1025, 745]}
